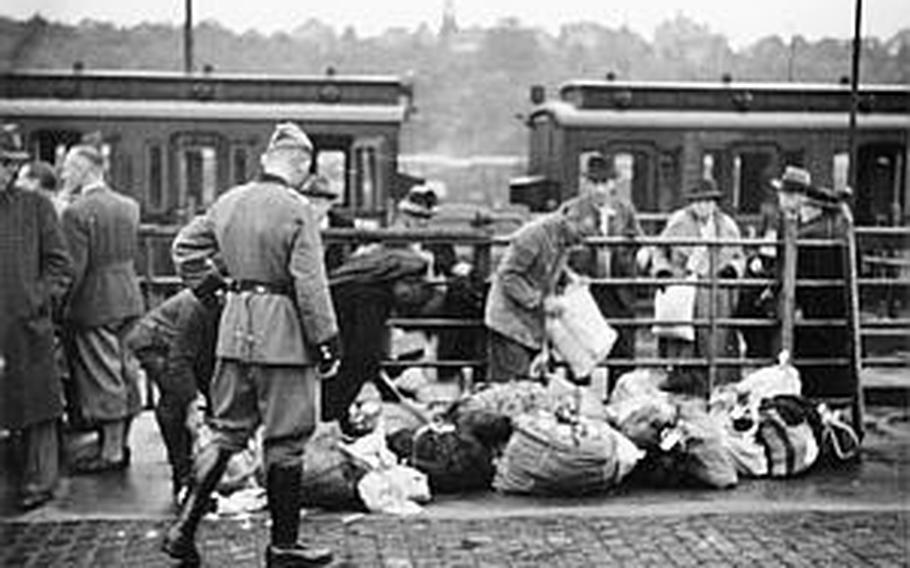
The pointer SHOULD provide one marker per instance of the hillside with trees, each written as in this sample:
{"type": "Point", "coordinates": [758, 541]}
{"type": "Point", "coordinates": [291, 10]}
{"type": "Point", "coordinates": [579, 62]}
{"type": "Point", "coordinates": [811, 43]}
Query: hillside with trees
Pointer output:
{"type": "Point", "coordinates": [471, 84]}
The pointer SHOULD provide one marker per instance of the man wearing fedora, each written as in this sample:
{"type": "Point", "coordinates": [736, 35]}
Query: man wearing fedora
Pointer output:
{"type": "Point", "coordinates": [819, 213]}
{"type": "Point", "coordinates": [615, 217]}
{"type": "Point", "coordinates": [701, 219]}
{"type": "Point", "coordinates": [277, 337]}
{"type": "Point", "coordinates": [36, 271]}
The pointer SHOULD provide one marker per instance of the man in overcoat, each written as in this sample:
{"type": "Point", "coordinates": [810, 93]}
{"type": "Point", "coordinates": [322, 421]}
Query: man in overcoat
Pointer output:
{"type": "Point", "coordinates": [277, 333]}
{"type": "Point", "coordinates": [615, 217]}
{"type": "Point", "coordinates": [102, 231]}
{"type": "Point", "coordinates": [521, 293]}
{"type": "Point", "coordinates": [34, 271]}
{"type": "Point", "coordinates": [702, 219]}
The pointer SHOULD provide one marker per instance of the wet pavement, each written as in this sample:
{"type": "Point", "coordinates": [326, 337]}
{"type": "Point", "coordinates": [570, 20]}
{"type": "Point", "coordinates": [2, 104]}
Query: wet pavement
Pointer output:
{"type": "Point", "coordinates": [858, 515]}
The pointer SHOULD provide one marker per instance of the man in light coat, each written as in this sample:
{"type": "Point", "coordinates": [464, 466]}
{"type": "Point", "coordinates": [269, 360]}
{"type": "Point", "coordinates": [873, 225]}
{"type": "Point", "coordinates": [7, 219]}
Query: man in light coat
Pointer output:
{"type": "Point", "coordinates": [102, 231]}
{"type": "Point", "coordinates": [35, 270]}
{"type": "Point", "coordinates": [701, 219]}
{"type": "Point", "coordinates": [277, 333]}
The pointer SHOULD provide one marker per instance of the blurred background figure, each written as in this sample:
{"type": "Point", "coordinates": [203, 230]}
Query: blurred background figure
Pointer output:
{"type": "Point", "coordinates": [701, 219]}
{"type": "Point", "coordinates": [40, 176]}
{"type": "Point", "coordinates": [35, 271]}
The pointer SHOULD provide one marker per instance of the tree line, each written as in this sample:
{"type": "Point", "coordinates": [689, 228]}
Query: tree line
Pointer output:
{"type": "Point", "coordinates": [471, 85]}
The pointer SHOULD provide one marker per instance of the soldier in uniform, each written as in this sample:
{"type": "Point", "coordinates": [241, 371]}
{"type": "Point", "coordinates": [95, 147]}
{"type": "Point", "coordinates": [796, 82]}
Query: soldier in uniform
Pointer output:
{"type": "Point", "coordinates": [277, 333]}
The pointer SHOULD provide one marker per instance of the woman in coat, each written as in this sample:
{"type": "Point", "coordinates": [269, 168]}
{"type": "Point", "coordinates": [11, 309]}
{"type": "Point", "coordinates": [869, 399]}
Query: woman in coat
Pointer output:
{"type": "Point", "coordinates": [701, 219]}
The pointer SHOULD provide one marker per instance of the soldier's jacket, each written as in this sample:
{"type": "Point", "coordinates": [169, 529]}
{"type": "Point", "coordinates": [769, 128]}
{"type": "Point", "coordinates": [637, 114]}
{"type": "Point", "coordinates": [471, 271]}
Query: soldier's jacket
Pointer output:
{"type": "Point", "coordinates": [102, 232]}
{"type": "Point", "coordinates": [263, 232]}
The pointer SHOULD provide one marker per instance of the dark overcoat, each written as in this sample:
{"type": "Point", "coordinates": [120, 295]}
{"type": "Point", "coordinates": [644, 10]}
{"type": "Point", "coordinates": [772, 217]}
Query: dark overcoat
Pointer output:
{"type": "Point", "coordinates": [34, 269]}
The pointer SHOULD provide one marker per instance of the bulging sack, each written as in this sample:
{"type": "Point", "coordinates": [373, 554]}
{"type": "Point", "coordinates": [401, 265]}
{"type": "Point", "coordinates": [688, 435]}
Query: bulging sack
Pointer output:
{"type": "Point", "coordinates": [674, 304]}
{"type": "Point", "coordinates": [580, 334]}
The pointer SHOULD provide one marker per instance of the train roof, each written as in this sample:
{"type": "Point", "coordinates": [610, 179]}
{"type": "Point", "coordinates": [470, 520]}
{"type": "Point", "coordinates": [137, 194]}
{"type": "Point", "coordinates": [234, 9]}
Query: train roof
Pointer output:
{"type": "Point", "coordinates": [733, 96]}
{"type": "Point", "coordinates": [378, 90]}
{"type": "Point", "coordinates": [568, 115]}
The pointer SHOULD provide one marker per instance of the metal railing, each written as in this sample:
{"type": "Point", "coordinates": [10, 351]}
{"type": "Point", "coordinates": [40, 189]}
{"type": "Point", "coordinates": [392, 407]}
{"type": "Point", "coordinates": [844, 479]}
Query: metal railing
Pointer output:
{"type": "Point", "coordinates": [483, 245]}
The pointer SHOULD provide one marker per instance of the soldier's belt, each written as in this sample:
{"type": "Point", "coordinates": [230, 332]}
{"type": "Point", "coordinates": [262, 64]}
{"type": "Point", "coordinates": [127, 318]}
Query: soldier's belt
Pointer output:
{"type": "Point", "coordinates": [257, 287]}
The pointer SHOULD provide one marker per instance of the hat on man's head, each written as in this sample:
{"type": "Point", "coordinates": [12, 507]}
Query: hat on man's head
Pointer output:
{"type": "Point", "coordinates": [704, 189]}
{"type": "Point", "coordinates": [599, 169]}
{"type": "Point", "coordinates": [11, 147]}
{"type": "Point", "coordinates": [795, 180]}
{"type": "Point", "coordinates": [289, 135]}
{"type": "Point", "coordinates": [319, 186]}
{"type": "Point", "coordinates": [420, 201]}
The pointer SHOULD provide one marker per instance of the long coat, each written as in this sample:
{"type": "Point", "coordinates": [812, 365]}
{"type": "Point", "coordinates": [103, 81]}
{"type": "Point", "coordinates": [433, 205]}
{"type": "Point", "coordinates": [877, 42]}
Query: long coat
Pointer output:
{"type": "Point", "coordinates": [528, 271]}
{"type": "Point", "coordinates": [264, 233]}
{"type": "Point", "coordinates": [102, 231]}
{"type": "Point", "coordinates": [681, 261]}
{"type": "Point", "coordinates": [34, 269]}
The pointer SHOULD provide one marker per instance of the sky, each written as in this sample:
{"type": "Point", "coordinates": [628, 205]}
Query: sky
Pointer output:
{"type": "Point", "coordinates": [742, 22]}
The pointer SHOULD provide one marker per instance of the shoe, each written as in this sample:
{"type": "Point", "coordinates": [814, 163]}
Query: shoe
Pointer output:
{"type": "Point", "coordinates": [34, 500]}
{"type": "Point", "coordinates": [284, 489]}
{"type": "Point", "coordinates": [97, 464]}
{"type": "Point", "coordinates": [298, 555]}
{"type": "Point", "coordinates": [180, 539]}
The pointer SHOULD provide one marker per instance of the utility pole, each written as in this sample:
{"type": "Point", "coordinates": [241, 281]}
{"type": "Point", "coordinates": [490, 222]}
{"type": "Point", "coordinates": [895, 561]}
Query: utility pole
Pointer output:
{"type": "Point", "coordinates": [854, 95]}
{"type": "Point", "coordinates": [188, 37]}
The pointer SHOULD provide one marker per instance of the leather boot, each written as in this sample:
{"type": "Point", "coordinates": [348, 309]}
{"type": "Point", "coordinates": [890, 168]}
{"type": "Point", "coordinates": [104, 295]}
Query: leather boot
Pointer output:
{"type": "Point", "coordinates": [180, 540]}
{"type": "Point", "coordinates": [284, 486]}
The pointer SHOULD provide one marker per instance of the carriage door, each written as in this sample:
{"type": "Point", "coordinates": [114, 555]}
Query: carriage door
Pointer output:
{"type": "Point", "coordinates": [879, 196]}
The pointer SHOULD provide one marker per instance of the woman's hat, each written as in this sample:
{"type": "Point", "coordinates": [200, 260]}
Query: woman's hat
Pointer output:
{"type": "Point", "coordinates": [704, 189]}
{"type": "Point", "coordinates": [794, 180]}
{"type": "Point", "coordinates": [420, 201]}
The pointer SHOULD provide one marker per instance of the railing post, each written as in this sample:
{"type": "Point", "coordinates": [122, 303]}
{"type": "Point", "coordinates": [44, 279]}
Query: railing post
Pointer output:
{"type": "Point", "coordinates": [712, 317]}
{"type": "Point", "coordinates": [856, 339]}
{"type": "Point", "coordinates": [786, 308]}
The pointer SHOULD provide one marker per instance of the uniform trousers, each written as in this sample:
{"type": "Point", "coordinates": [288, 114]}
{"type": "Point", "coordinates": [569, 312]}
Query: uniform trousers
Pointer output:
{"type": "Point", "coordinates": [285, 400]}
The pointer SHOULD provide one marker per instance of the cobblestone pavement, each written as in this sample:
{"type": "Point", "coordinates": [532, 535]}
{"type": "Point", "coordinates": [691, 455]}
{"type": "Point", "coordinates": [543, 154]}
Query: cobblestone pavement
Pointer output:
{"type": "Point", "coordinates": [863, 538]}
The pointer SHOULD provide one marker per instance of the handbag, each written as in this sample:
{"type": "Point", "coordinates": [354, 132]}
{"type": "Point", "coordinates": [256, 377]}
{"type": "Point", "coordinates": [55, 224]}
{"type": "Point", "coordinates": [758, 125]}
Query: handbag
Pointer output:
{"type": "Point", "coordinates": [674, 304]}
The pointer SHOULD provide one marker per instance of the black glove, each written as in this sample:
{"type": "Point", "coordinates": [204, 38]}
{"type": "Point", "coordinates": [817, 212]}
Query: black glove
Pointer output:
{"type": "Point", "coordinates": [206, 290]}
{"type": "Point", "coordinates": [327, 355]}
{"type": "Point", "coordinates": [727, 272]}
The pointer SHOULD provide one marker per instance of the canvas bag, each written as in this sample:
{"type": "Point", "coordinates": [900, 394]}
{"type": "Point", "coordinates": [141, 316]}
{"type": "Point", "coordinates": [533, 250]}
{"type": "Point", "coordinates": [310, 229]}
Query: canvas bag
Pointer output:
{"type": "Point", "coordinates": [673, 304]}
{"type": "Point", "coordinates": [580, 334]}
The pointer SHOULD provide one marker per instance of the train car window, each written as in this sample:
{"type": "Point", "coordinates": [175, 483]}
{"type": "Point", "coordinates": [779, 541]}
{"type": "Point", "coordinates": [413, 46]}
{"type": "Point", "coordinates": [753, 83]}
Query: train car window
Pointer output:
{"type": "Point", "coordinates": [332, 165]}
{"type": "Point", "coordinates": [751, 170]}
{"type": "Point", "coordinates": [51, 145]}
{"type": "Point", "coordinates": [155, 176]}
{"type": "Point", "coordinates": [795, 158]}
{"type": "Point", "coordinates": [239, 173]}
{"type": "Point", "coordinates": [197, 176]}
{"type": "Point", "coordinates": [366, 177]}
{"type": "Point", "coordinates": [840, 170]}
{"type": "Point", "coordinates": [881, 199]}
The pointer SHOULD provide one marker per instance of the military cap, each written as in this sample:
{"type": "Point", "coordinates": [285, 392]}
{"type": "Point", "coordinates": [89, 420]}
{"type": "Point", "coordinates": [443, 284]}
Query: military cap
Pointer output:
{"type": "Point", "coordinates": [704, 189]}
{"type": "Point", "coordinates": [599, 169]}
